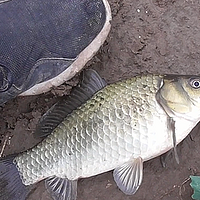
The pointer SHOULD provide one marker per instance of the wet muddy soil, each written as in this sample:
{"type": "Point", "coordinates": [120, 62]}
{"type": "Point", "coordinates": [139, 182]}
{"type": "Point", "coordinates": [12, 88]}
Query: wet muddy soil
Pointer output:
{"type": "Point", "coordinates": [156, 36]}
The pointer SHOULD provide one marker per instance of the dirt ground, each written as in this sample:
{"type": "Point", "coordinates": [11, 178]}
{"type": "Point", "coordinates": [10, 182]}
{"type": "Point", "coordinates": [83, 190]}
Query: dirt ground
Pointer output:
{"type": "Point", "coordinates": [157, 36]}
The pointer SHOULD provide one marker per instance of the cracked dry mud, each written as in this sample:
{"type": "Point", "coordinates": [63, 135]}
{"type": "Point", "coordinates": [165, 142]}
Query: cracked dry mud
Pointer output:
{"type": "Point", "coordinates": [156, 36]}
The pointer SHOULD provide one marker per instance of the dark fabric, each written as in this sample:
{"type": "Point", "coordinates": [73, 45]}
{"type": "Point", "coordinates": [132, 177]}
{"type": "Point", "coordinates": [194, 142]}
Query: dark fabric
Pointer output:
{"type": "Point", "coordinates": [35, 29]}
{"type": "Point", "coordinates": [5, 79]}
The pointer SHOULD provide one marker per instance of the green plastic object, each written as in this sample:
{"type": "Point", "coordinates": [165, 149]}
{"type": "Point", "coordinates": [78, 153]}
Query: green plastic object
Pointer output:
{"type": "Point", "coordinates": [195, 184]}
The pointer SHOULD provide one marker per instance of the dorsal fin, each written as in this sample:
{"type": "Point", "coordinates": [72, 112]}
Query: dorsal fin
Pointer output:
{"type": "Point", "coordinates": [90, 84]}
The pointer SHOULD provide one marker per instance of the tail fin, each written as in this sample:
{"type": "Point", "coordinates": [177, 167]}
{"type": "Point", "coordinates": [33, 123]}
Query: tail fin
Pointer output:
{"type": "Point", "coordinates": [11, 186]}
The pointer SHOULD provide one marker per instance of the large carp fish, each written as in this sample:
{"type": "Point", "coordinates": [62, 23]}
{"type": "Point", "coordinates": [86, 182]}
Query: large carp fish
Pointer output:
{"type": "Point", "coordinates": [103, 127]}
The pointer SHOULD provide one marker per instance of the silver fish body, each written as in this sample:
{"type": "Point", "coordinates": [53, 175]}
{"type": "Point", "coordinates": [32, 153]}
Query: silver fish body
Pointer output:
{"type": "Point", "coordinates": [121, 126]}
{"type": "Point", "coordinates": [121, 122]}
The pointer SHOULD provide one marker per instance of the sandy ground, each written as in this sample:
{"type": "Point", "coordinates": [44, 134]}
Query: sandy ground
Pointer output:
{"type": "Point", "coordinates": [157, 36]}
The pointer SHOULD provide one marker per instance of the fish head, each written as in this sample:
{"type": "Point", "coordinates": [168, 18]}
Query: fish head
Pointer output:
{"type": "Point", "coordinates": [180, 95]}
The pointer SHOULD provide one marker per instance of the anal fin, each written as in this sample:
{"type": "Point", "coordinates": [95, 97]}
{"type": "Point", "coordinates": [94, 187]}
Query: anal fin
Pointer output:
{"type": "Point", "coordinates": [128, 177]}
{"type": "Point", "coordinates": [61, 189]}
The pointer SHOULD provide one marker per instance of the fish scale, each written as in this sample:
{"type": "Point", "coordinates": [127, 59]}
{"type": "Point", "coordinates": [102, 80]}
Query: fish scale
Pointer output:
{"type": "Point", "coordinates": [106, 131]}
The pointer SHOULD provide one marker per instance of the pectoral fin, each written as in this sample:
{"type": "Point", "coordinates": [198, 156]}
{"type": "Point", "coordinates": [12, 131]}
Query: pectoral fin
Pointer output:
{"type": "Point", "coordinates": [171, 125]}
{"type": "Point", "coordinates": [61, 189]}
{"type": "Point", "coordinates": [128, 177]}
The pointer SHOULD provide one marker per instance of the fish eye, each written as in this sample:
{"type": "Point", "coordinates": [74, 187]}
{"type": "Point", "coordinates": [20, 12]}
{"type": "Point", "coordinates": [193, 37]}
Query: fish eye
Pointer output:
{"type": "Point", "coordinates": [195, 83]}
